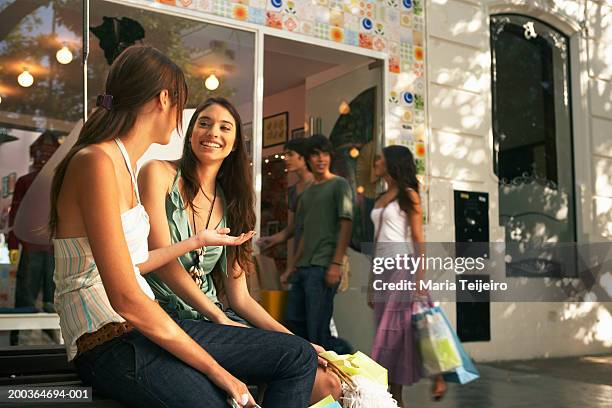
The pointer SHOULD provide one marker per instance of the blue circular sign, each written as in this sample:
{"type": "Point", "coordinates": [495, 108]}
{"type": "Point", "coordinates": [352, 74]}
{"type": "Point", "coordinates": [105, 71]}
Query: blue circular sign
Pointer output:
{"type": "Point", "coordinates": [277, 3]}
{"type": "Point", "coordinates": [407, 3]}
{"type": "Point", "coordinates": [408, 97]}
{"type": "Point", "coordinates": [367, 23]}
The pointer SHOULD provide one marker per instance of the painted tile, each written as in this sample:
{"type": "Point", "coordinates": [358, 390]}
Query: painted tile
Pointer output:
{"type": "Point", "coordinates": [336, 34]}
{"type": "Point", "coordinates": [240, 12]}
{"type": "Point", "coordinates": [274, 20]}
{"type": "Point", "coordinates": [257, 16]}
{"type": "Point", "coordinates": [290, 23]}
{"type": "Point", "coordinates": [365, 40]}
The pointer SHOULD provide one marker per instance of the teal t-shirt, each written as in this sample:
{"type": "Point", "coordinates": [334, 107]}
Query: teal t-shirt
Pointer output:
{"type": "Point", "coordinates": [320, 210]}
{"type": "Point", "coordinates": [180, 229]}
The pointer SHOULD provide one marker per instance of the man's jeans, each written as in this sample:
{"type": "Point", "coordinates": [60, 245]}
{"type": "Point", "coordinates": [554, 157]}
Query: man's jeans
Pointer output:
{"type": "Point", "coordinates": [310, 306]}
{"type": "Point", "coordinates": [135, 371]}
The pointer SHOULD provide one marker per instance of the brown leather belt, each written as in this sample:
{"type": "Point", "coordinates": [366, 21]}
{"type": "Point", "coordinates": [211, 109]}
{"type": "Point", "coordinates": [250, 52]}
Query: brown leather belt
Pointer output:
{"type": "Point", "coordinates": [103, 335]}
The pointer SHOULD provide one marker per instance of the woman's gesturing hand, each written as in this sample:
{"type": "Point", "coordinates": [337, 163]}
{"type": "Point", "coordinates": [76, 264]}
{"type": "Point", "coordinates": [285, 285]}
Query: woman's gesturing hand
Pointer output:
{"type": "Point", "coordinates": [220, 237]}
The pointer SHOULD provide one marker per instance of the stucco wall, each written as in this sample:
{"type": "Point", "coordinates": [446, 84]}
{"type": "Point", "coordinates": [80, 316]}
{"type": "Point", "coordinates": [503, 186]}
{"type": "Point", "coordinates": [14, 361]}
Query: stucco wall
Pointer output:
{"type": "Point", "coordinates": [459, 97]}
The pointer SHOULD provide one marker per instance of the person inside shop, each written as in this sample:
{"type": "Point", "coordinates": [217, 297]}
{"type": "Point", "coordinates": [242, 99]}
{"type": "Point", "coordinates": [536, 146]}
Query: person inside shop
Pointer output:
{"type": "Point", "coordinates": [36, 265]}
{"type": "Point", "coordinates": [295, 163]}
{"type": "Point", "coordinates": [121, 341]}
{"type": "Point", "coordinates": [210, 187]}
{"type": "Point", "coordinates": [326, 212]}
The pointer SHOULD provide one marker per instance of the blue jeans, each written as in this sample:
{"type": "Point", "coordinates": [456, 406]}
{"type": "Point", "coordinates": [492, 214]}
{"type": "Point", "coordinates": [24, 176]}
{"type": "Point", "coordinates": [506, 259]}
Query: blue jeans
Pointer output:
{"type": "Point", "coordinates": [310, 306]}
{"type": "Point", "coordinates": [137, 372]}
{"type": "Point", "coordinates": [34, 274]}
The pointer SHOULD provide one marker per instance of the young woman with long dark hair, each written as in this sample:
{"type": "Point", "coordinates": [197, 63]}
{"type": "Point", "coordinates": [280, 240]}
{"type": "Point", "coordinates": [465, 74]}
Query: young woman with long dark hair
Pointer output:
{"type": "Point", "coordinates": [121, 341]}
{"type": "Point", "coordinates": [398, 221]}
{"type": "Point", "coordinates": [210, 186]}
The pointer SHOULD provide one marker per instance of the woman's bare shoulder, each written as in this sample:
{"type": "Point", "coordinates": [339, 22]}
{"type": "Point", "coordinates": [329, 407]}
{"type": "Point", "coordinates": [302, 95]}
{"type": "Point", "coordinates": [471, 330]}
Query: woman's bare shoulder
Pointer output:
{"type": "Point", "coordinates": [159, 168]}
{"type": "Point", "coordinates": [92, 159]}
{"type": "Point", "coordinates": [157, 173]}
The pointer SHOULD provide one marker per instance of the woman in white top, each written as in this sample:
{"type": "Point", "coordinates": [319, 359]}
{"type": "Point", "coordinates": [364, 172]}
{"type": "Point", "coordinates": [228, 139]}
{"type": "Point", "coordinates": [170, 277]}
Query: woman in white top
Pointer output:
{"type": "Point", "coordinates": [121, 341]}
{"type": "Point", "coordinates": [398, 229]}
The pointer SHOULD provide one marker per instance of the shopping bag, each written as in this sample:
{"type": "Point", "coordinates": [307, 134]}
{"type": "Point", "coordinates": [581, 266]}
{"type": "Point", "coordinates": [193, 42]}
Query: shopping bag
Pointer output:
{"type": "Point", "coordinates": [327, 402]}
{"type": "Point", "coordinates": [435, 340]}
{"type": "Point", "coordinates": [364, 381]}
{"type": "Point", "coordinates": [467, 371]}
{"type": "Point", "coordinates": [358, 364]}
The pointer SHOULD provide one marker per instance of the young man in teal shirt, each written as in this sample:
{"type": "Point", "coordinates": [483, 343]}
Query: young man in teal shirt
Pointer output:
{"type": "Point", "coordinates": [326, 211]}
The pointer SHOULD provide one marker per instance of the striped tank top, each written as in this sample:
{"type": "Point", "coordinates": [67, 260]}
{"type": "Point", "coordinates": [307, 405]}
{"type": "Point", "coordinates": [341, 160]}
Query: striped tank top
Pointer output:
{"type": "Point", "coordinates": [81, 301]}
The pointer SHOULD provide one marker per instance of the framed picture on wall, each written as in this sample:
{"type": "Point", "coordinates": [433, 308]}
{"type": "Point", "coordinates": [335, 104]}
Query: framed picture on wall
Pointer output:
{"type": "Point", "coordinates": [275, 129]}
{"type": "Point", "coordinates": [298, 133]}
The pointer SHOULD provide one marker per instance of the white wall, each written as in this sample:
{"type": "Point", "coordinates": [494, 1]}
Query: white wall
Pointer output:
{"type": "Point", "coordinates": [460, 146]}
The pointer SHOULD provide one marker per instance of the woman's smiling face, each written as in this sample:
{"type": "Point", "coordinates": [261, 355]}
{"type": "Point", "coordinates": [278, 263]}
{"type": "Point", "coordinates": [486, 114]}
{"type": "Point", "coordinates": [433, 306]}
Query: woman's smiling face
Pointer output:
{"type": "Point", "coordinates": [214, 134]}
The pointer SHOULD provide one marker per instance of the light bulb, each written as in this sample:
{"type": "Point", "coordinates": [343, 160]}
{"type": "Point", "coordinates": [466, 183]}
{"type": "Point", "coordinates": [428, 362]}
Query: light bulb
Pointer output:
{"type": "Point", "coordinates": [25, 79]}
{"type": "Point", "coordinates": [64, 55]}
{"type": "Point", "coordinates": [354, 152]}
{"type": "Point", "coordinates": [344, 108]}
{"type": "Point", "coordinates": [211, 82]}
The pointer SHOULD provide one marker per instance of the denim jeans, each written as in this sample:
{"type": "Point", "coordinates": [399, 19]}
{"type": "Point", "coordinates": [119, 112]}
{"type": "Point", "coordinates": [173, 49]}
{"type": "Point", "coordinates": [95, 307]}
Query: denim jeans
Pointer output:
{"type": "Point", "coordinates": [310, 306]}
{"type": "Point", "coordinates": [137, 372]}
{"type": "Point", "coordinates": [34, 273]}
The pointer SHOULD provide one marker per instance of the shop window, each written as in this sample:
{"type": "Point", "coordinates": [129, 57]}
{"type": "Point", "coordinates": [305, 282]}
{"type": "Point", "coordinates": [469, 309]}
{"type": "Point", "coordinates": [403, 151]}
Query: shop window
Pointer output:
{"type": "Point", "coordinates": [41, 99]}
{"type": "Point", "coordinates": [217, 61]}
{"type": "Point", "coordinates": [532, 132]}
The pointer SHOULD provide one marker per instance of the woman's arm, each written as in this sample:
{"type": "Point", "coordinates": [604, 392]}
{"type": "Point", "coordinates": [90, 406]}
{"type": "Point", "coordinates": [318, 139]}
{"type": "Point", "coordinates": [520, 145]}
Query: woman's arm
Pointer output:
{"type": "Point", "coordinates": [415, 220]}
{"type": "Point", "coordinates": [162, 256]}
{"type": "Point", "coordinates": [241, 302]}
{"type": "Point", "coordinates": [98, 204]}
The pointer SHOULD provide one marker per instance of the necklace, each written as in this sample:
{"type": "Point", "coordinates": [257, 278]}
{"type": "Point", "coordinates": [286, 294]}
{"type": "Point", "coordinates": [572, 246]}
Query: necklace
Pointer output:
{"type": "Point", "coordinates": [206, 195]}
{"type": "Point", "coordinates": [195, 271]}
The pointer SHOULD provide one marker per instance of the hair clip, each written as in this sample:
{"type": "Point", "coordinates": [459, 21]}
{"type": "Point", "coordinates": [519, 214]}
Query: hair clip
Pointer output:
{"type": "Point", "coordinates": [105, 101]}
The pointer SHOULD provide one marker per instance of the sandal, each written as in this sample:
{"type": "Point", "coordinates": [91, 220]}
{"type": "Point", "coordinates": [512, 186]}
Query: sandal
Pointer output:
{"type": "Point", "coordinates": [439, 389]}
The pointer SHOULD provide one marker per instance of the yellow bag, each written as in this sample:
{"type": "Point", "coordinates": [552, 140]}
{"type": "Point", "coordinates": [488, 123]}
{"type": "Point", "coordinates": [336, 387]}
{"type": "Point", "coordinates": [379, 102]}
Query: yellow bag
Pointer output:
{"type": "Point", "coordinates": [358, 364]}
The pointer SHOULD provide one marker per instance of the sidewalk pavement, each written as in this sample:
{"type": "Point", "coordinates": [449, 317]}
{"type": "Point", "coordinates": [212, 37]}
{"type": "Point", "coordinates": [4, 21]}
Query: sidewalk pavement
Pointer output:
{"type": "Point", "coordinates": [576, 382]}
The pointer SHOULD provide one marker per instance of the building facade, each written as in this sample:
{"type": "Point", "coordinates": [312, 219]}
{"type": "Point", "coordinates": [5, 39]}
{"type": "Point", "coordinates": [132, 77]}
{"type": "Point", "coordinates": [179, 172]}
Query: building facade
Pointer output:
{"type": "Point", "coordinates": [437, 71]}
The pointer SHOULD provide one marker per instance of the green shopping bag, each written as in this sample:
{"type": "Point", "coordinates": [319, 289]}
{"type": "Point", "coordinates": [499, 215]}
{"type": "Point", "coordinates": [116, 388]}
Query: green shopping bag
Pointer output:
{"type": "Point", "coordinates": [435, 341]}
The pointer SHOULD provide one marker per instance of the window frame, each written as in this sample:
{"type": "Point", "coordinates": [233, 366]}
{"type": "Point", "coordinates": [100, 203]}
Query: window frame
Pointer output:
{"type": "Point", "coordinates": [571, 48]}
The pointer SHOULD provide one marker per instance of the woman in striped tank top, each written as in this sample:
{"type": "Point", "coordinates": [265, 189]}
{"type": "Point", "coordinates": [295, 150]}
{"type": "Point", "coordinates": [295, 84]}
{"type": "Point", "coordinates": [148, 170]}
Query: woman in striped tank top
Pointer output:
{"type": "Point", "coordinates": [121, 341]}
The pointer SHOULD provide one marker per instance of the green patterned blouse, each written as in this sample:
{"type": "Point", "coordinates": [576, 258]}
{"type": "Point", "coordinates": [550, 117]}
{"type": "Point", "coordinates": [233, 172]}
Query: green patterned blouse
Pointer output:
{"type": "Point", "coordinates": [180, 229]}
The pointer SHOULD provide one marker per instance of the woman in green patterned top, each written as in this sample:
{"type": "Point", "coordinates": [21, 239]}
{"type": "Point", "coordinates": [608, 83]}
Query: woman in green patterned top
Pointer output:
{"type": "Point", "coordinates": [210, 188]}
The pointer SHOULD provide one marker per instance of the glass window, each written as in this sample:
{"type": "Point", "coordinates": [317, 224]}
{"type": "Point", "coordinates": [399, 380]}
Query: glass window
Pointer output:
{"type": "Point", "coordinates": [41, 99]}
{"type": "Point", "coordinates": [217, 61]}
{"type": "Point", "coordinates": [532, 131]}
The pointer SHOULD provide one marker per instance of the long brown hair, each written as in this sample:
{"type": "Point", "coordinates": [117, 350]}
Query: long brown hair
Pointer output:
{"type": "Point", "coordinates": [402, 169]}
{"type": "Point", "coordinates": [234, 176]}
{"type": "Point", "coordinates": [137, 76]}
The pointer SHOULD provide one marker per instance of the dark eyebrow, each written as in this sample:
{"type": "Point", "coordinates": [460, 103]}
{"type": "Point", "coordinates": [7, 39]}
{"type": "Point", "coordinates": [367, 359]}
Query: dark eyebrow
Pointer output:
{"type": "Point", "coordinates": [209, 118]}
